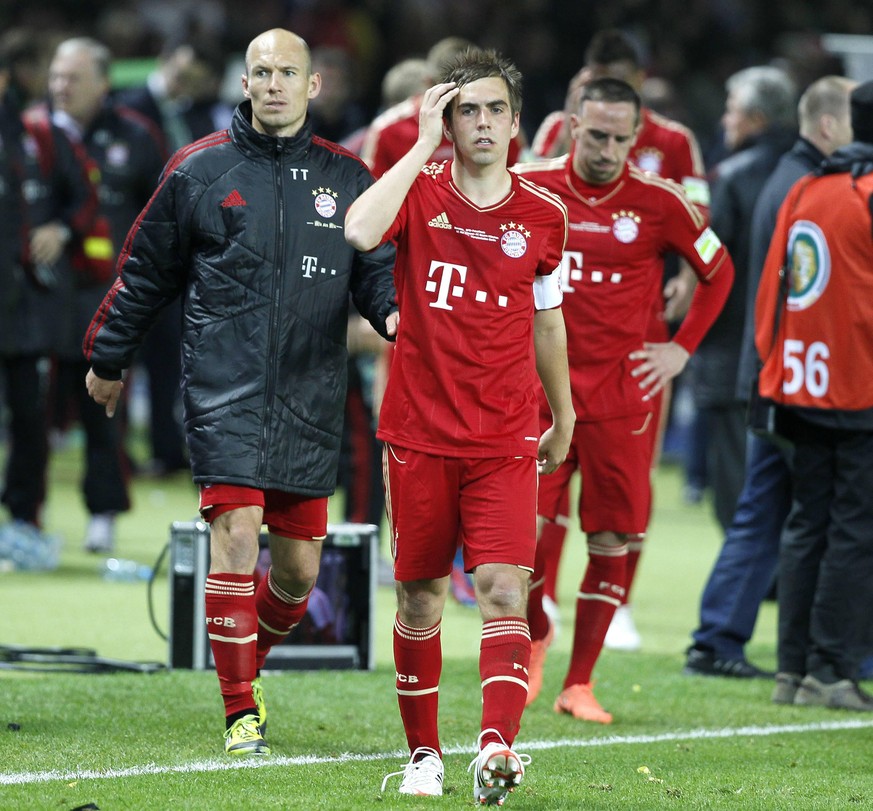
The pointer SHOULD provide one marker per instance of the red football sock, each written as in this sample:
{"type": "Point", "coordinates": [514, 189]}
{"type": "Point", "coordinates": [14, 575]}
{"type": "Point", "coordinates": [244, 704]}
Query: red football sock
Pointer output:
{"type": "Point", "coordinates": [600, 593]}
{"type": "Point", "coordinates": [537, 619]}
{"type": "Point", "coordinates": [232, 626]}
{"type": "Point", "coordinates": [504, 656]}
{"type": "Point", "coordinates": [418, 660]}
{"type": "Point", "coordinates": [634, 550]}
{"type": "Point", "coordinates": [278, 614]}
{"type": "Point", "coordinates": [551, 541]}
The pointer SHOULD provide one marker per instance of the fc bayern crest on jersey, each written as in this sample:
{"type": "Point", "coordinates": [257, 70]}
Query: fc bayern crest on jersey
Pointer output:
{"type": "Point", "coordinates": [650, 159]}
{"type": "Point", "coordinates": [325, 202]}
{"type": "Point", "coordinates": [625, 226]}
{"type": "Point", "coordinates": [810, 264]}
{"type": "Point", "coordinates": [514, 240]}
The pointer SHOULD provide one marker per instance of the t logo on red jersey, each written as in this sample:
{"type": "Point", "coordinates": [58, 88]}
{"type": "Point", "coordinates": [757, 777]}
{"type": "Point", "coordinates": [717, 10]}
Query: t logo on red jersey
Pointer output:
{"type": "Point", "coordinates": [445, 271]}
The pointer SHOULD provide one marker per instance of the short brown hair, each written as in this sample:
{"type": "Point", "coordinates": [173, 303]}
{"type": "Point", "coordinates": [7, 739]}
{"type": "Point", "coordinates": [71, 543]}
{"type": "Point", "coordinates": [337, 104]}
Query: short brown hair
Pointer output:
{"type": "Point", "coordinates": [474, 64]}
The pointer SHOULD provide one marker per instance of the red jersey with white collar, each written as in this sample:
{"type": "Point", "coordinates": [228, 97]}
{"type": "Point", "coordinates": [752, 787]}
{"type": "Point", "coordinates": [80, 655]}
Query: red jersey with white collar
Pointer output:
{"type": "Point", "coordinates": [463, 376]}
{"type": "Point", "coordinates": [611, 276]}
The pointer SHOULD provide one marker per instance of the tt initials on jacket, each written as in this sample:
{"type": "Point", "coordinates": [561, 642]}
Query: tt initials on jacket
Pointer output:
{"type": "Point", "coordinates": [447, 280]}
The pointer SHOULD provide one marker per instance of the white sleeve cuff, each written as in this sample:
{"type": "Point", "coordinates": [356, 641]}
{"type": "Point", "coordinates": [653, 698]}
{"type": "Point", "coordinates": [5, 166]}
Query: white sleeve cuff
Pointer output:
{"type": "Point", "coordinates": [547, 290]}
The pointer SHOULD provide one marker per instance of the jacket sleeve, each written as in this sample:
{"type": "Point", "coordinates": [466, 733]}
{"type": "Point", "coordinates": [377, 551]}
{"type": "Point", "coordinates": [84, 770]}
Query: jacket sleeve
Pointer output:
{"type": "Point", "coordinates": [151, 274]}
{"type": "Point", "coordinates": [372, 285]}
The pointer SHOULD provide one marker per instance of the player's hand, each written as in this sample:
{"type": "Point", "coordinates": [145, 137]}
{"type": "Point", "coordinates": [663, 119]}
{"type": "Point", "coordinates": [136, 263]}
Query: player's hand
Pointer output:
{"type": "Point", "coordinates": [47, 242]}
{"type": "Point", "coordinates": [553, 448]}
{"type": "Point", "coordinates": [104, 392]}
{"type": "Point", "coordinates": [659, 363]}
{"type": "Point", "coordinates": [430, 116]}
{"type": "Point", "coordinates": [392, 322]}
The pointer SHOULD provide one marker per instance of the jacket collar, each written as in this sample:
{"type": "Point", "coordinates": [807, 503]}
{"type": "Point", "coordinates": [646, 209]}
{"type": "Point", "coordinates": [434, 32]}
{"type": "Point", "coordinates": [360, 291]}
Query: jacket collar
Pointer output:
{"type": "Point", "coordinates": [856, 158]}
{"type": "Point", "coordinates": [250, 141]}
{"type": "Point", "coordinates": [807, 151]}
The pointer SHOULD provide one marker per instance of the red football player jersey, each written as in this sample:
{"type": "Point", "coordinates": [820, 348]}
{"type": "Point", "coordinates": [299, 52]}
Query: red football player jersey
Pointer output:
{"type": "Point", "coordinates": [611, 276]}
{"type": "Point", "coordinates": [463, 374]}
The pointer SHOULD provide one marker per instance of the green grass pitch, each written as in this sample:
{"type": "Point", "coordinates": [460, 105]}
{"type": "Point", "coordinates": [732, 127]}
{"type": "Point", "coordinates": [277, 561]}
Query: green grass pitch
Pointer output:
{"type": "Point", "coordinates": [154, 741]}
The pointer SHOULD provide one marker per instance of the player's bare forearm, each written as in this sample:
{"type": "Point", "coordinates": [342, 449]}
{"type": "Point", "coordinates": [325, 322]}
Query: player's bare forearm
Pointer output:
{"type": "Point", "coordinates": [370, 216]}
{"type": "Point", "coordinates": [550, 346]}
{"type": "Point", "coordinates": [678, 292]}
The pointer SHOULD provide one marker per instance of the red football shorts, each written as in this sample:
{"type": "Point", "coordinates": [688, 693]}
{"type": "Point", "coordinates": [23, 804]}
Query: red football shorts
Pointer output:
{"type": "Point", "coordinates": [614, 457]}
{"type": "Point", "coordinates": [433, 502]}
{"type": "Point", "coordinates": [287, 514]}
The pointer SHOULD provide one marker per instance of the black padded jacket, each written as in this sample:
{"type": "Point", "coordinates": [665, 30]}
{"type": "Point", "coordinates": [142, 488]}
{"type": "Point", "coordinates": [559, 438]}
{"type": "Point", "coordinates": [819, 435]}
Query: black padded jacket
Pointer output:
{"type": "Point", "coordinates": [248, 228]}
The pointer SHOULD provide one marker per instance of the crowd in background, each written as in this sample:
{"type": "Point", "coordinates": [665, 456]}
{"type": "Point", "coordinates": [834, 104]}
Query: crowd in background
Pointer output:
{"type": "Point", "coordinates": [691, 46]}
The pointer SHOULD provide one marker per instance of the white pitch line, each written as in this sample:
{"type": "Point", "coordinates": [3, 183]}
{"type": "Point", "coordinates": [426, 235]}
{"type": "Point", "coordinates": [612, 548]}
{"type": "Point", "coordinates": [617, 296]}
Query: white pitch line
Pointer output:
{"type": "Point", "coordinates": [25, 778]}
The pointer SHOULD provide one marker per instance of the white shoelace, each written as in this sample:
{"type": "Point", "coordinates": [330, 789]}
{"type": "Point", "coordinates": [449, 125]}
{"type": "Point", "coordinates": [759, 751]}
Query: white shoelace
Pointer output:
{"type": "Point", "coordinates": [421, 773]}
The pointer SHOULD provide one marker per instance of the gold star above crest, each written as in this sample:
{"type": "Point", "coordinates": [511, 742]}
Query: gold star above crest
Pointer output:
{"type": "Point", "coordinates": [628, 214]}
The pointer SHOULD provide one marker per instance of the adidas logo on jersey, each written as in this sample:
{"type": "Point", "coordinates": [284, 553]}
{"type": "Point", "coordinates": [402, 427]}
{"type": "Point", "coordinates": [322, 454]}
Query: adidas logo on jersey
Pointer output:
{"type": "Point", "coordinates": [233, 199]}
{"type": "Point", "coordinates": [440, 221]}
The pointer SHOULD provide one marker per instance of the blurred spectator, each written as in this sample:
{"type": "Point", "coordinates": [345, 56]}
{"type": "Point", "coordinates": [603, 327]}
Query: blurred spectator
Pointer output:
{"type": "Point", "coordinates": [127, 151]}
{"type": "Point", "coordinates": [744, 571]}
{"type": "Point", "coordinates": [204, 111]}
{"type": "Point", "coordinates": [759, 126]}
{"type": "Point", "coordinates": [408, 78]}
{"type": "Point", "coordinates": [47, 204]}
{"type": "Point", "coordinates": [185, 73]}
{"type": "Point", "coordinates": [335, 112]}
{"type": "Point", "coordinates": [27, 54]}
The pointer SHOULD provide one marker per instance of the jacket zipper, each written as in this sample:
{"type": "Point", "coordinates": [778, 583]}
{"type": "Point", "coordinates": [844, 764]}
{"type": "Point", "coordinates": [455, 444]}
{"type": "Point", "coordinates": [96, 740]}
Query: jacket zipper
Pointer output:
{"type": "Point", "coordinates": [275, 309]}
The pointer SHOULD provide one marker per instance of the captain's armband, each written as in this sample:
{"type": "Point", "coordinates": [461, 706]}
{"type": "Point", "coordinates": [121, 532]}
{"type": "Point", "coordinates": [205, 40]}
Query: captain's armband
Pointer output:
{"type": "Point", "coordinates": [547, 290]}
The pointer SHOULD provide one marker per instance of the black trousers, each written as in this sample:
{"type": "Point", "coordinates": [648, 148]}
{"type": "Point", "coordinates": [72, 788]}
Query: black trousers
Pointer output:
{"type": "Point", "coordinates": [825, 588]}
{"type": "Point", "coordinates": [26, 396]}
{"type": "Point", "coordinates": [106, 473]}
